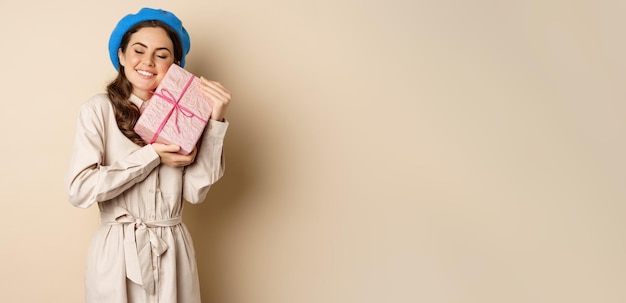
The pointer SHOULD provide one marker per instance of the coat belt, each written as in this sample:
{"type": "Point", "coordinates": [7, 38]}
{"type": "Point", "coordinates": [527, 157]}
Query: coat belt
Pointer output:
{"type": "Point", "coordinates": [141, 244]}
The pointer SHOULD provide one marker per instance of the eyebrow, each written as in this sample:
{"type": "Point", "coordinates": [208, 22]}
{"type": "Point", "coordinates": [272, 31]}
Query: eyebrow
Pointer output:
{"type": "Point", "coordinates": [160, 48]}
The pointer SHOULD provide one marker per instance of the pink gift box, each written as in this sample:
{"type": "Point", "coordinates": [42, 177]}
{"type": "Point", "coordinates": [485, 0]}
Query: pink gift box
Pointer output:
{"type": "Point", "coordinates": [177, 112]}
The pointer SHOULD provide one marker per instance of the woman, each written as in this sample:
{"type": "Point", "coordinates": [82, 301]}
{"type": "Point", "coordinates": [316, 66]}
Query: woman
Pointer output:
{"type": "Point", "coordinates": [142, 252]}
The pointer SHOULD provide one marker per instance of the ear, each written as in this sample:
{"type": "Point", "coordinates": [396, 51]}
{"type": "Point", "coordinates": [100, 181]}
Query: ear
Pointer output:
{"type": "Point", "coordinates": [121, 57]}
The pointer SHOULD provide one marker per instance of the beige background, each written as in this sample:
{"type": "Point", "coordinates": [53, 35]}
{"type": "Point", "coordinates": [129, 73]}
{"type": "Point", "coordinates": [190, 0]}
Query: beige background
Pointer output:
{"type": "Point", "coordinates": [379, 151]}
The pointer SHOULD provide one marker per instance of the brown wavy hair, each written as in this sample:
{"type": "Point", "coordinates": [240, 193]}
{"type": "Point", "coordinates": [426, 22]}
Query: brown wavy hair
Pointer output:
{"type": "Point", "coordinates": [120, 89]}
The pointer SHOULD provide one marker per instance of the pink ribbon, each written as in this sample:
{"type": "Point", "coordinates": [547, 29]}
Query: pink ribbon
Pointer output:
{"type": "Point", "coordinates": [169, 97]}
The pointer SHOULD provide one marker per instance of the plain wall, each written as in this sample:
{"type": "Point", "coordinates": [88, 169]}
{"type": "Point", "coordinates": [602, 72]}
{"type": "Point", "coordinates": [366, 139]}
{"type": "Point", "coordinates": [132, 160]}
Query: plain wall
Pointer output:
{"type": "Point", "coordinates": [379, 151]}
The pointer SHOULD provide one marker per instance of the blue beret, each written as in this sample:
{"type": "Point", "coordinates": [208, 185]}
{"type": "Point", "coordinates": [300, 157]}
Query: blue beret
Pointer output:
{"type": "Point", "coordinates": [146, 14]}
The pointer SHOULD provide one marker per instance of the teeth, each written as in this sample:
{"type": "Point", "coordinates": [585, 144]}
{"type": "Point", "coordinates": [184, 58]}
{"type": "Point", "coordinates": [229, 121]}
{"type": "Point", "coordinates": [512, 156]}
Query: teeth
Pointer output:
{"type": "Point", "coordinates": [145, 73]}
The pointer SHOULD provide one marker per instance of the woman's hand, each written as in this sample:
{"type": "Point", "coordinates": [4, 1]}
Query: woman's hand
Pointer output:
{"type": "Point", "coordinates": [168, 153]}
{"type": "Point", "coordinates": [218, 95]}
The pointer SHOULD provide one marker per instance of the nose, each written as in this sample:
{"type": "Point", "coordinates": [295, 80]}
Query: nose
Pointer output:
{"type": "Point", "coordinates": [148, 60]}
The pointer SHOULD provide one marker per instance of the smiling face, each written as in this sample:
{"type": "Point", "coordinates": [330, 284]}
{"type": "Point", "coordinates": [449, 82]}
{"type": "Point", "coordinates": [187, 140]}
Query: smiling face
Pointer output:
{"type": "Point", "coordinates": [146, 59]}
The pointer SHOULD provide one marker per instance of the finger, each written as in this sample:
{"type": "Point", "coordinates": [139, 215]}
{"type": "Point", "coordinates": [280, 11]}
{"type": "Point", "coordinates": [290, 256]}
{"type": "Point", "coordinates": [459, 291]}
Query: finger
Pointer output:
{"type": "Point", "coordinates": [207, 82]}
{"type": "Point", "coordinates": [217, 93]}
{"type": "Point", "coordinates": [216, 88]}
{"type": "Point", "coordinates": [193, 153]}
{"type": "Point", "coordinates": [219, 88]}
{"type": "Point", "coordinates": [172, 148]}
{"type": "Point", "coordinates": [217, 84]}
{"type": "Point", "coordinates": [186, 160]}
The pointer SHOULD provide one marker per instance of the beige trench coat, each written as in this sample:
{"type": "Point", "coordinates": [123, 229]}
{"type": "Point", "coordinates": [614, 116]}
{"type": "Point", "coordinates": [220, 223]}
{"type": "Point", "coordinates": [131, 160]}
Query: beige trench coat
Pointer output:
{"type": "Point", "coordinates": [142, 252]}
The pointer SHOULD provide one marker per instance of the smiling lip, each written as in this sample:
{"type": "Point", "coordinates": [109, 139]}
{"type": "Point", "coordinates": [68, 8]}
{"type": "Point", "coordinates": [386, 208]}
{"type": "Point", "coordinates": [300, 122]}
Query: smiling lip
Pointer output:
{"type": "Point", "coordinates": [145, 74]}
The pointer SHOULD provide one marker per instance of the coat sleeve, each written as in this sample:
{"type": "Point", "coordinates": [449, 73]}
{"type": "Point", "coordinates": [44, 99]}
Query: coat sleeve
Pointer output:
{"type": "Point", "coordinates": [87, 180]}
{"type": "Point", "coordinates": [209, 165]}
